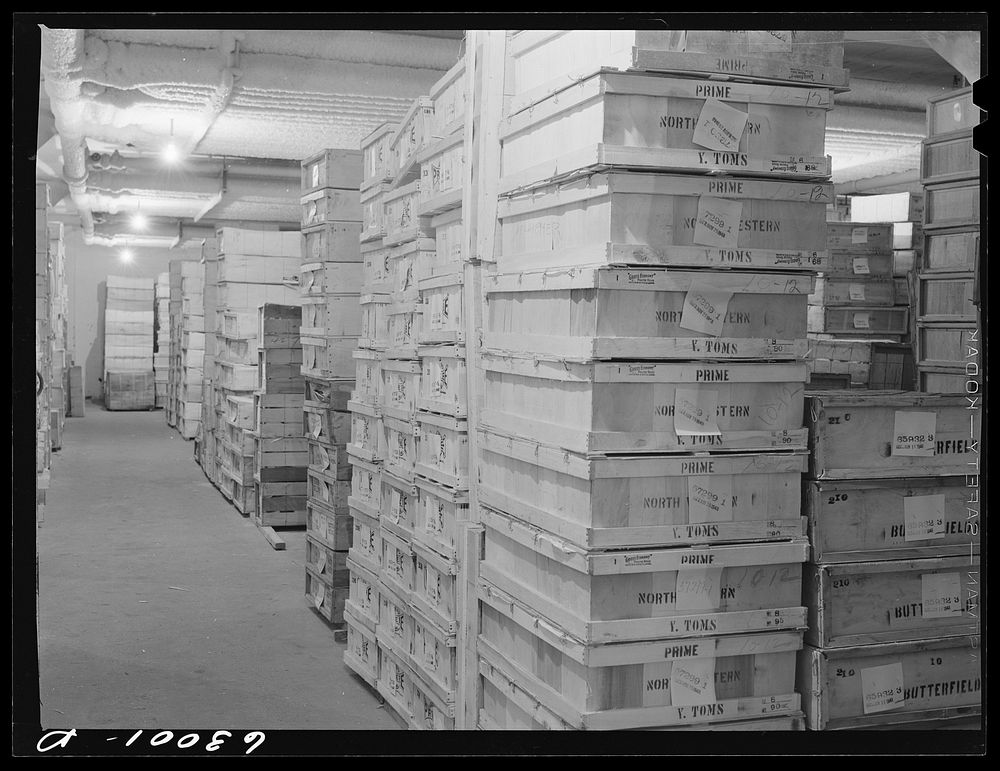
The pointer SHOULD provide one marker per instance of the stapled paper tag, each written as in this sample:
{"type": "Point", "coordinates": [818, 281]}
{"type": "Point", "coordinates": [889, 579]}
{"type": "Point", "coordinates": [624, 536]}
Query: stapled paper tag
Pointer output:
{"type": "Point", "coordinates": [861, 266]}
{"type": "Point", "coordinates": [692, 681]}
{"type": "Point", "coordinates": [315, 175]}
{"type": "Point", "coordinates": [719, 126]}
{"type": "Point", "coordinates": [694, 412]}
{"type": "Point", "coordinates": [913, 434]}
{"type": "Point", "coordinates": [705, 308]}
{"type": "Point", "coordinates": [882, 688]}
{"type": "Point", "coordinates": [698, 588]}
{"type": "Point", "coordinates": [923, 517]}
{"type": "Point", "coordinates": [321, 562]}
{"type": "Point", "coordinates": [710, 498]}
{"type": "Point", "coordinates": [856, 292]}
{"type": "Point", "coordinates": [862, 321]}
{"type": "Point", "coordinates": [717, 222]}
{"type": "Point", "coordinates": [859, 235]}
{"type": "Point", "coordinates": [319, 594]}
{"type": "Point", "coordinates": [941, 595]}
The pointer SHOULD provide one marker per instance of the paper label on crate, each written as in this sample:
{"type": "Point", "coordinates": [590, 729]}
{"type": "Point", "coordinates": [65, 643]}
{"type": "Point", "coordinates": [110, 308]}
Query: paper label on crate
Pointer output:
{"type": "Point", "coordinates": [719, 126]}
{"type": "Point", "coordinates": [698, 588]}
{"type": "Point", "coordinates": [769, 40]}
{"type": "Point", "coordinates": [710, 499]}
{"type": "Point", "coordinates": [860, 266]}
{"type": "Point", "coordinates": [856, 292]}
{"type": "Point", "coordinates": [859, 235]}
{"type": "Point", "coordinates": [695, 412]}
{"type": "Point", "coordinates": [717, 222]}
{"type": "Point", "coordinates": [692, 681]}
{"type": "Point", "coordinates": [862, 321]}
{"type": "Point", "coordinates": [321, 562]}
{"type": "Point", "coordinates": [315, 424]}
{"type": "Point", "coordinates": [314, 172]}
{"type": "Point", "coordinates": [397, 506]}
{"type": "Point", "coordinates": [923, 517]}
{"type": "Point", "coordinates": [882, 688]}
{"type": "Point", "coordinates": [319, 594]}
{"type": "Point", "coordinates": [941, 595]}
{"type": "Point", "coordinates": [705, 308]}
{"type": "Point", "coordinates": [913, 434]}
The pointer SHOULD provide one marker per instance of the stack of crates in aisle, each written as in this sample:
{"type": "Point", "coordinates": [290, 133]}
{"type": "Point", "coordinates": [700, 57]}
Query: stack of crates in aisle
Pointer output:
{"type": "Point", "coordinates": [58, 324]}
{"type": "Point", "coordinates": [192, 348]}
{"type": "Point", "coordinates": [174, 348]}
{"type": "Point", "coordinates": [330, 286]}
{"type": "Point", "coordinates": [43, 357]}
{"type": "Point", "coordinates": [280, 450]}
{"type": "Point", "coordinates": [947, 329]}
{"type": "Point", "coordinates": [641, 440]}
{"type": "Point", "coordinates": [128, 344]}
{"type": "Point", "coordinates": [206, 450]}
{"type": "Point", "coordinates": [161, 342]}
{"type": "Point", "coordinates": [254, 267]}
{"type": "Point", "coordinates": [892, 588]}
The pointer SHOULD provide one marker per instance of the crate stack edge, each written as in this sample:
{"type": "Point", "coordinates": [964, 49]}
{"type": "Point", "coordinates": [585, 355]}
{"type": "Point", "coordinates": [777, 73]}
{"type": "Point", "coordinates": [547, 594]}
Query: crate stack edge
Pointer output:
{"type": "Point", "coordinates": [128, 344]}
{"type": "Point", "coordinates": [161, 347]}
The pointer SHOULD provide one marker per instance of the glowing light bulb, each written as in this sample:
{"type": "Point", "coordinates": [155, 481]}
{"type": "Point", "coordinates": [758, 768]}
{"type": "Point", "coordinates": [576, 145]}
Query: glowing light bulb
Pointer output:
{"type": "Point", "coordinates": [171, 154]}
{"type": "Point", "coordinates": [126, 255]}
{"type": "Point", "coordinates": [139, 221]}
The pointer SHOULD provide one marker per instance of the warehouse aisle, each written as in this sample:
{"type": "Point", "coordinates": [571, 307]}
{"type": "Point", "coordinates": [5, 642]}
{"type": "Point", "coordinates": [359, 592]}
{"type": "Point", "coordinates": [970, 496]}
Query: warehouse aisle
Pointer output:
{"type": "Point", "coordinates": [160, 606]}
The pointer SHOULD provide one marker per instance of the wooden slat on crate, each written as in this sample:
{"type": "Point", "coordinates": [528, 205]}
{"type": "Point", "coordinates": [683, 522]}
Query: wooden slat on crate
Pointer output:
{"type": "Point", "coordinates": [395, 621]}
{"type": "Point", "coordinates": [949, 251]}
{"type": "Point", "coordinates": [328, 491]}
{"type": "Point", "coordinates": [430, 712]}
{"type": "Point", "coordinates": [399, 446]}
{"type": "Point", "coordinates": [368, 376]}
{"type": "Point", "coordinates": [942, 380]}
{"type": "Point", "coordinates": [373, 212]}
{"type": "Point", "coordinates": [949, 159]}
{"type": "Point", "coordinates": [857, 290]}
{"type": "Point", "coordinates": [366, 541]}
{"type": "Point", "coordinates": [435, 588]}
{"type": "Point", "coordinates": [361, 653]}
{"type": "Point", "coordinates": [329, 459]}
{"type": "Point", "coordinates": [855, 238]}
{"type": "Point", "coordinates": [367, 435]}
{"type": "Point", "coordinates": [442, 299]}
{"type": "Point", "coordinates": [853, 435]}
{"type": "Point", "coordinates": [416, 130]}
{"type": "Point", "coordinates": [327, 599]}
{"type": "Point", "coordinates": [449, 100]}
{"type": "Point", "coordinates": [327, 393]}
{"type": "Point", "coordinates": [363, 597]}
{"type": "Point", "coordinates": [327, 426]}
{"type": "Point", "coordinates": [331, 242]}
{"type": "Point", "coordinates": [374, 321]}
{"type": "Point", "coordinates": [402, 221]}
{"type": "Point", "coordinates": [376, 273]}
{"type": "Point", "coordinates": [872, 602]}
{"type": "Point", "coordinates": [859, 320]}
{"type": "Point", "coordinates": [332, 168]}
{"type": "Point", "coordinates": [366, 487]}
{"type": "Point", "coordinates": [399, 389]}
{"type": "Point", "coordinates": [442, 450]}
{"type": "Point", "coordinates": [857, 520]}
{"type": "Point", "coordinates": [951, 204]}
{"type": "Point", "coordinates": [946, 297]}
{"type": "Point", "coordinates": [443, 380]}
{"type": "Point", "coordinates": [328, 357]}
{"type": "Point", "coordinates": [935, 679]}
{"type": "Point", "coordinates": [633, 407]}
{"type": "Point", "coordinates": [329, 205]}
{"type": "Point", "coordinates": [948, 345]}
{"type": "Point", "coordinates": [605, 596]}
{"type": "Point", "coordinates": [326, 278]}
{"type": "Point", "coordinates": [397, 566]}
{"type": "Point", "coordinates": [954, 111]}
{"type": "Point", "coordinates": [642, 501]}
{"type": "Point", "coordinates": [395, 680]}
{"type": "Point", "coordinates": [611, 313]}
{"type": "Point", "coordinates": [332, 528]}
{"type": "Point", "coordinates": [434, 658]}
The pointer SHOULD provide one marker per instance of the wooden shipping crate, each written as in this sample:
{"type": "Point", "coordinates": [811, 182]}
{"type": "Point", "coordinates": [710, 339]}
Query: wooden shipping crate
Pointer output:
{"type": "Point", "coordinates": [875, 434]}
{"type": "Point", "coordinates": [901, 291]}
{"type": "Point", "coordinates": [239, 439]}
{"type": "Point", "coordinates": [400, 386]}
{"type": "Point", "coordinates": [643, 500]}
{"type": "Point", "coordinates": [374, 321]}
{"type": "Point", "coordinates": [907, 235]}
{"type": "Point", "coordinates": [243, 497]}
{"type": "Point", "coordinates": [443, 380]}
{"type": "Point", "coordinates": [859, 320]}
{"type": "Point", "coordinates": [399, 446]}
{"type": "Point", "coordinates": [331, 278]}
{"type": "Point", "coordinates": [368, 376]}
{"type": "Point", "coordinates": [654, 122]}
{"type": "Point", "coordinates": [442, 167]}
{"type": "Point", "coordinates": [416, 131]}
{"type": "Point", "coordinates": [328, 357]}
{"type": "Point", "coordinates": [397, 567]}
{"type": "Point", "coordinates": [444, 318]}
{"type": "Point", "coordinates": [373, 212]}
{"type": "Point", "coordinates": [640, 684]}
{"type": "Point", "coordinates": [402, 222]}
{"type": "Point", "coordinates": [442, 450]}
{"type": "Point", "coordinates": [408, 263]}
{"type": "Point", "coordinates": [240, 269]}
{"type": "Point", "coordinates": [435, 523]}
{"type": "Point", "coordinates": [892, 366]}
{"type": "Point", "coordinates": [329, 459]}
{"type": "Point", "coordinates": [333, 529]}
{"type": "Point", "coordinates": [858, 290]}
{"type": "Point", "coordinates": [941, 380]}
{"type": "Point", "coordinates": [395, 679]}
{"type": "Point", "coordinates": [434, 657]}
{"type": "Point", "coordinates": [542, 62]}
{"type": "Point", "coordinates": [950, 251]}
{"type": "Point", "coordinates": [361, 653]}
{"type": "Point", "coordinates": [375, 266]}
{"type": "Point", "coordinates": [280, 504]}
{"type": "Point", "coordinates": [366, 487]}
{"type": "Point", "coordinates": [863, 266]}
{"type": "Point", "coordinates": [326, 598]}
{"type": "Point", "coordinates": [395, 621]}
{"type": "Point", "coordinates": [946, 297]}
{"type": "Point", "coordinates": [367, 435]}
{"type": "Point", "coordinates": [448, 237]}
{"type": "Point", "coordinates": [363, 595]}
{"type": "Point", "coordinates": [887, 207]}
{"type": "Point", "coordinates": [332, 168]}
{"type": "Point", "coordinates": [404, 322]}
{"type": "Point", "coordinates": [866, 520]}
{"type": "Point", "coordinates": [954, 111]}
{"type": "Point", "coordinates": [435, 588]}
{"type": "Point", "coordinates": [949, 159]}
{"type": "Point", "coordinates": [951, 204]}
{"type": "Point", "coordinates": [872, 602]}
{"type": "Point", "coordinates": [233, 350]}
{"type": "Point", "coordinates": [377, 159]}
{"type": "Point", "coordinates": [399, 503]}
{"type": "Point", "coordinates": [329, 565]}
{"type": "Point", "coordinates": [366, 541]}
{"type": "Point", "coordinates": [948, 345]}
{"type": "Point", "coordinates": [331, 242]}
{"type": "Point", "coordinates": [854, 238]}
{"type": "Point", "coordinates": [328, 204]}
{"type": "Point", "coordinates": [240, 410]}
{"type": "Point", "coordinates": [328, 426]}
{"type": "Point", "coordinates": [328, 491]}
{"type": "Point", "coordinates": [430, 712]}
{"type": "Point", "coordinates": [630, 595]}
{"type": "Point", "coordinates": [448, 99]}
{"type": "Point", "coordinates": [237, 324]}
{"type": "Point", "coordinates": [328, 393]}
{"type": "Point", "coordinates": [611, 313]}
{"type": "Point", "coordinates": [236, 377]}
{"type": "Point", "coordinates": [670, 407]}
{"type": "Point", "coordinates": [894, 683]}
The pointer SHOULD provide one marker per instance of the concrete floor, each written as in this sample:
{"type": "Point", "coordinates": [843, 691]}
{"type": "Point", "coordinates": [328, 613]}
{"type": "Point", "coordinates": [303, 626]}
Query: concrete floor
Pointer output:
{"type": "Point", "coordinates": [161, 606]}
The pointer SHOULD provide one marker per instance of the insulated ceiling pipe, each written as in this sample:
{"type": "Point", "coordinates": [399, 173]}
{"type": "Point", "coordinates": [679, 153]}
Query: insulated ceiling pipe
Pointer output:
{"type": "Point", "coordinates": [887, 95]}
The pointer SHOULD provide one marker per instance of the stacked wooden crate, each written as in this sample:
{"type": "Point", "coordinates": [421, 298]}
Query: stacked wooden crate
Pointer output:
{"type": "Point", "coordinates": [207, 452]}
{"type": "Point", "coordinates": [43, 357]}
{"type": "Point", "coordinates": [192, 348]}
{"type": "Point", "coordinates": [75, 388]}
{"type": "Point", "coordinates": [947, 295]}
{"type": "Point", "coordinates": [330, 286]}
{"type": "Point", "coordinates": [58, 328]}
{"type": "Point", "coordinates": [161, 341]}
{"type": "Point", "coordinates": [128, 344]}
{"type": "Point", "coordinates": [641, 445]}
{"type": "Point", "coordinates": [893, 585]}
{"type": "Point", "coordinates": [280, 450]}
{"type": "Point", "coordinates": [174, 348]}
{"type": "Point", "coordinates": [254, 267]}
